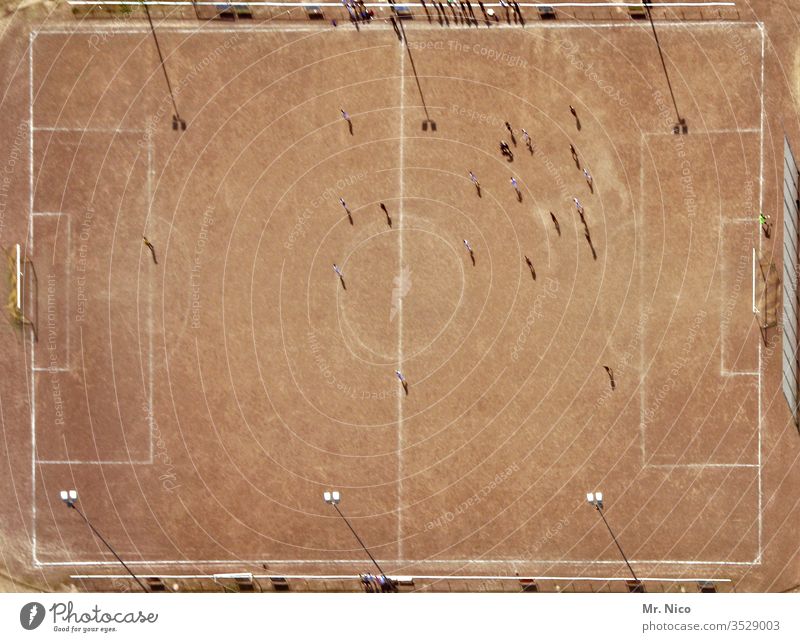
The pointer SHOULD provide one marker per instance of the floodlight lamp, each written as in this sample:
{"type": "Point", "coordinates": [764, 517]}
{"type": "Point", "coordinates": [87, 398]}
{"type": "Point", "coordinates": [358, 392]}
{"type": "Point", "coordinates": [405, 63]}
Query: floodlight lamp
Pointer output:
{"type": "Point", "coordinates": [595, 499]}
{"type": "Point", "coordinates": [69, 497]}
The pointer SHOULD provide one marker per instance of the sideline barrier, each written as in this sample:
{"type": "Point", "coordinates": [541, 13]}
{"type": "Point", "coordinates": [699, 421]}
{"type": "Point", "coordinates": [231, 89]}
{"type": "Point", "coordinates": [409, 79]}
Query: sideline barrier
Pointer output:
{"type": "Point", "coordinates": [457, 13]}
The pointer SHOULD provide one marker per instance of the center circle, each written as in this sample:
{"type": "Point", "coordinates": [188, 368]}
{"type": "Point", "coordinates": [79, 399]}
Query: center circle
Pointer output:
{"type": "Point", "coordinates": [404, 287]}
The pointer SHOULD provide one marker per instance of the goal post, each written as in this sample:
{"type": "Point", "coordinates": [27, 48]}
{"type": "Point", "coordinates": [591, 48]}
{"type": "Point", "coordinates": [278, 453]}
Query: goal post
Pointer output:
{"type": "Point", "coordinates": [21, 306]}
{"type": "Point", "coordinates": [18, 257]}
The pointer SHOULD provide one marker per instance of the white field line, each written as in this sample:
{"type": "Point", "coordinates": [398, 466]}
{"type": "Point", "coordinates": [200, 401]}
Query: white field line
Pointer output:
{"type": "Point", "coordinates": [31, 39]}
{"type": "Point", "coordinates": [514, 578]}
{"type": "Point", "coordinates": [231, 562]}
{"type": "Point", "coordinates": [400, 306]}
{"type": "Point", "coordinates": [698, 25]}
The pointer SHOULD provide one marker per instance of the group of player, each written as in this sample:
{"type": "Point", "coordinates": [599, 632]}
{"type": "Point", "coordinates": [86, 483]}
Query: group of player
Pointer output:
{"type": "Point", "coordinates": [508, 154]}
{"type": "Point", "coordinates": [505, 151]}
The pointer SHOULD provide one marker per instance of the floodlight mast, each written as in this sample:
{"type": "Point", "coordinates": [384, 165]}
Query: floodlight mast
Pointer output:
{"type": "Point", "coordinates": [333, 498]}
{"type": "Point", "coordinates": [177, 121]}
{"type": "Point", "coordinates": [70, 498]}
{"type": "Point", "coordinates": [596, 500]}
{"type": "Point", "coordinates": [680, 125]}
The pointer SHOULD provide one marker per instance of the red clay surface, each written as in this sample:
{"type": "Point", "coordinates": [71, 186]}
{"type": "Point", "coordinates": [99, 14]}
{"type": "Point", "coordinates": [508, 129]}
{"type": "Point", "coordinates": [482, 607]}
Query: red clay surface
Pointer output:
{"type": "Point", "coordinates": [201, 405]}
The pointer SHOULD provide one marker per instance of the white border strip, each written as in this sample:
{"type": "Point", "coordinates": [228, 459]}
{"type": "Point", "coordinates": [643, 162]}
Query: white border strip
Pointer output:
{"type": "Point", "coordinates": [517, 578]}
{"type": "Point", "coordinates": [383, 5]}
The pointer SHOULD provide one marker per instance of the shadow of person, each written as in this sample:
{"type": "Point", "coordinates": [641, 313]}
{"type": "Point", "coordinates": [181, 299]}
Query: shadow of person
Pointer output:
{"type": "Point", "coordinates": [472, 14]}
{"type": "Point", "coordinates": [555, 222]}
{"type": "Point", "coordinates": [350, 127]}
{"type": "Point", "coordinates": [588, 236]}
{"type": "Point", "coordinates": [591, 245]}
{"type": "Point", "coordinates": [610, 374]}
{"type": "Point", "coordinates": [386, 212]}
{"type": "Point", "coordinates": [531, 268]}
